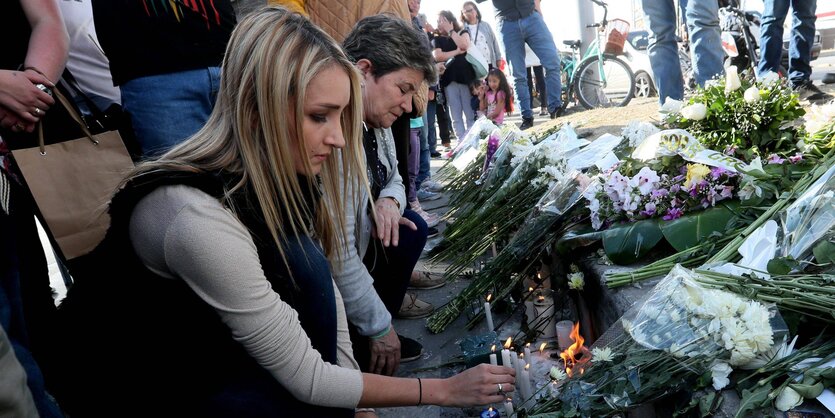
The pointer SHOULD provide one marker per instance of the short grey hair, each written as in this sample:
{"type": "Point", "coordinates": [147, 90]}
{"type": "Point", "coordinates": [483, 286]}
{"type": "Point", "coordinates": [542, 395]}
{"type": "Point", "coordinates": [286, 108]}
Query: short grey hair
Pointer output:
{"type": "Point", "coordinates": [390, 44]}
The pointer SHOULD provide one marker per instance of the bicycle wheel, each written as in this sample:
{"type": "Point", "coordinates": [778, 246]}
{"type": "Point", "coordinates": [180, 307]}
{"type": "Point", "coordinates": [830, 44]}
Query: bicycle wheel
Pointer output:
{"type": "Point", "coordinates": [615, 86]}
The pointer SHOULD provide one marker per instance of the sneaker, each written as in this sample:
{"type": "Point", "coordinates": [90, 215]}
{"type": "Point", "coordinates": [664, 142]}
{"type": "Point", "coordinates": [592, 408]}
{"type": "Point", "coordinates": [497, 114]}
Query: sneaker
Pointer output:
{"type": "Point", "coordinates": [432, 186]}
{"type": "Point", "coordinates": [430, 219]}
{"type": "Point", "coordinates": [809, 91]}
{"type": "Point", "coordinates": [425, 280]}
{"type": "Point", "coordinates": [410, 350]}
{"type": "Point", "coordinates": [432, 232]}
{"type": "Point", "coordinates": [527, 123]}
{"type": "Point", "coordinates": [414, 308]}
{"type": "Point", "coordinates": [543, 111]}
{"type": "Point", "coordinates": [435, 154]}
{"type": "Point", "coordinates": [557, 113]}
{"type": "Point", "coordinates": [425, 195]}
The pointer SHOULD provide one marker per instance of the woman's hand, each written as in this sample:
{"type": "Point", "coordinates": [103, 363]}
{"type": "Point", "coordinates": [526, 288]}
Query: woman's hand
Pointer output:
{"type": "Point", "coordinates": [461, 41]}
{"type": "Point", "coordinates": [9, 120]}
{"type": "Point", "coordinates": [388, 221]}
{"type": "Point", "coordinates": [20, 96]}
{"type": "Point", "coordinates": [480, 386]}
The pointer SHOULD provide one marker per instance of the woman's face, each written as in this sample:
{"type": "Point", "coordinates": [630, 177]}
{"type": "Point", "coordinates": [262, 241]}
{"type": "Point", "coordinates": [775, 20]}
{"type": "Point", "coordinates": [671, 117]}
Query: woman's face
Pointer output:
{"type": "Point", "coordinates": [326, 97]}
{"type": "Point", "coordinates": [444, 25]}
{"type": "Point", "coordinates": [469, 13]}
{"type": "Point", "coordinates": [387, 97]}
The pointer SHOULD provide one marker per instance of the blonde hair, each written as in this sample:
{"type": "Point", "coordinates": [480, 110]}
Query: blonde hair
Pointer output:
{"type": "Point", "coordinates": [271, 58]}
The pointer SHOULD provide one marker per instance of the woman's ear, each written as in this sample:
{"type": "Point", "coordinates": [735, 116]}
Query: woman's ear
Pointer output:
{"type": "Point", "coordinates": [365, 66]}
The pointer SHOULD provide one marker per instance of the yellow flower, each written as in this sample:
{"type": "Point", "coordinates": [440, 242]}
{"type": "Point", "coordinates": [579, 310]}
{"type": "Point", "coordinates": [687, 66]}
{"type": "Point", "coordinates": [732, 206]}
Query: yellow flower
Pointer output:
{"type": "Point", "coordinates": [695, 174]}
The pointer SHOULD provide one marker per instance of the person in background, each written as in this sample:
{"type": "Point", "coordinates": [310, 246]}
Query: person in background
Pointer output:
{"type": "Point", "coordinates": [477, 88]}
{"type": "Point", "coordinates": [800, 45]}
{"type": "Point", "coordinates": [165, 58]}
{"type": "Point", "coordinates": [224, 304]}
{"type": "Point", "coordinates": [35, 50]}
{"type": "Point", "coordinates": [495, 100]}
{"type": "Point", "coordinates": [702, 19]}
{"type": "Point", "coordinates": [532, 63]}
{"type": "Point", "coordinates": [520, 22]}
{"type": "Point", "coordinates": [481, 34]}
{"type": "Point", "coordinates": [451, 47]}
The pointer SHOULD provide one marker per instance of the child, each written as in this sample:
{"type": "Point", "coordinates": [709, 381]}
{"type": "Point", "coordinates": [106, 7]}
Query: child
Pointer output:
{"type": "Point", "coordinates": [496, 99]}
{"type": "Point", "coordinates": [476, 90]}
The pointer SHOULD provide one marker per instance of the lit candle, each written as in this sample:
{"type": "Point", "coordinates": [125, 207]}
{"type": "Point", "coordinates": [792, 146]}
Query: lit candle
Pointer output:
{"type": "Point", "coordinates": [544, 313]}
{"type": "Point", "coordinates": [488, 314]}
{"type": "Point", "coordinates": [526, 382]}
{"type": "Point", "coordinates": [529, 311]}
{"type": "Point", "coordinates": [490, 413]}
{"type": "Point", "coordinates": [542, 349]}
{"type": "Point", "coordinates": [563, 329]}
{"type": "Point", "coordinates": [493, 355]}
{"type": "Point", "coordinates": [508, 407]}
{"type": "Point", "coordinates": [506, 357]}
{"type": "Point", "coordinates": [517, 363]}
{"type": "Point", "coordinates": [528, 352]}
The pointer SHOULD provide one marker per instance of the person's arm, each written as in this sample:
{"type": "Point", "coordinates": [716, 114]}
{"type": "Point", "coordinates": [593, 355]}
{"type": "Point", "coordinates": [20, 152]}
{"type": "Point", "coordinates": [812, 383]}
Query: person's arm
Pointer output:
{"type": "Point", "coordinates": [536, 6]}
{"type": "Point", "coordinates": [482, 99]}
{"type": "Point", "coordinates": [494, 45]}
{"type": "Point", "coordinates": [49, 42]}
{"type": "Point", "coordinates": [462, 40]}
{"type": "Point", "coordinates": [442, 56]}
{"type": "Point", "coordinates": [497, 110]}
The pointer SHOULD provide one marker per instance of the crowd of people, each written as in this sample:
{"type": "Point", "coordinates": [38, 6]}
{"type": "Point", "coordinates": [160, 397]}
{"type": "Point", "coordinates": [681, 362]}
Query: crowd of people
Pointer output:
{"type": "Point", "coordinates": [272, 227]}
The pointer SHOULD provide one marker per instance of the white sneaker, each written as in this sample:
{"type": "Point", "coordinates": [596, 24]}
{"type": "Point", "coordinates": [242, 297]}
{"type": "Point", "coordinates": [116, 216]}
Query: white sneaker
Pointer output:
{"type": "Point", "coordinates": [432, 186]}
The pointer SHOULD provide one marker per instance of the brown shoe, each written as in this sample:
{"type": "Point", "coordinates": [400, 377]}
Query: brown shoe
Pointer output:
{"type": "Point", "coordinates": [414, 308]}
{"type": "Point", "coordinates": [426, 280]}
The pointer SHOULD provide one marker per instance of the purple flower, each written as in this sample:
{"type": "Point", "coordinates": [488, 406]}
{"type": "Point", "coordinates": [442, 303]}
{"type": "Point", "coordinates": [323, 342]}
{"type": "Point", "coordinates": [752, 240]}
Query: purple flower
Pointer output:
{"type": "Point", "coordinates": [730, 150]}
{"type": "Point", "coordinates": [659, 193]}
{"type": "Point", "coordinates": [673, 213]}
{"type": "Point", "coordinates": [727, 192]}
{"type": "Point", "coordinates": [649, 210]}
{"type": "Point", "coordinates": [775, 159]}
{"type": "Point", "coordinates": [717, 172]}
{"type": "Point", "coordinates": [796, 158]}
{"type": "Point", "coordinates": [675, 188]}
{"type": "Point", "coordinates": [682, 170]}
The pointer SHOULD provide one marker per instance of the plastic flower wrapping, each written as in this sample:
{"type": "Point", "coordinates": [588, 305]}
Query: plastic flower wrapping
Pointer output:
{"type": "Point", "coordinates": [678, 332]}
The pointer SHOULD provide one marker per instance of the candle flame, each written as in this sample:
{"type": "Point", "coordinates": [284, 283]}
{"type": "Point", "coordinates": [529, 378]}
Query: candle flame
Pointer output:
{"type": "Point", "coordinates": [530, 289]}
{"type": "Point", "coordinates": [542, 347]}
{"type": "Point", "coordinates": [541, 298]}
{"type": "Point", "coordinates": [493, 348]}
{"type": "Point", "coordinates": [528, 345]}
{"type": "Point", "coordinates": [574, 355]}
{"type": "Point", "coordinates": [489, 296]}
{"type": "Point", "coordinates": [539, 275]}
{"type": "Point", "coordinates": [521, 355]}
{"type": "Point", "coordinates": [527, 366]}
{"type": "Point", "coordinates": [507, 343]}
{"type": "Point", "coordinates": [490, 409]}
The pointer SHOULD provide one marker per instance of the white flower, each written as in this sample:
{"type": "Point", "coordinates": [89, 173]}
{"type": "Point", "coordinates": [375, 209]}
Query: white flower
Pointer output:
{"type": "Point", "coordinates": [645, 181]}
{"type": "Point", "coordinates": [770, 77]}
{"type": "Point", "coordinates": [602, 354]}
{"type": "Point", "coordinates": [749, 189]}
{"type": "Point", "coordinates": [671, 106]}
{"type": "Point", "coordinates": [720, 371]}
{"type": "Point", "coordinates": [576, 281]}
{"type": "Point", "coordinates": [788, 399]}
{"type": "Point", "coordinates": [696, 111]}
{"type": "Point", "coordinates": [636, 131]}
{"type": "Point", "coordinates": [732, 82]}
{"type": "Point", "coordinates": [557, 374]}
{"type": "Point", "coordinates": [818, 117]}
{"type": "Point", "coordinates": [752, 94]}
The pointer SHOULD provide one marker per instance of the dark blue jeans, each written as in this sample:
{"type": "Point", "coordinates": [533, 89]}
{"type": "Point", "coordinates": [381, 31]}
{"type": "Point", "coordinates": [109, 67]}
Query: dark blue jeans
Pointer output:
{"type": "Point", "coordinates": [800, 45]}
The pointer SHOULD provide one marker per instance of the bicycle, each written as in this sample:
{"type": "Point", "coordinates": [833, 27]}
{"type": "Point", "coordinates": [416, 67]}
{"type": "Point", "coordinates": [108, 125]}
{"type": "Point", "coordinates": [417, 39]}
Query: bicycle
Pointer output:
{"type": "Point", "coordinates": [598, 79]}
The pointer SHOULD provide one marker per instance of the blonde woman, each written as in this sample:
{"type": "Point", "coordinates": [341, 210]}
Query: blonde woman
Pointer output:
{"type": "Point", "coordinates": [211, 294]}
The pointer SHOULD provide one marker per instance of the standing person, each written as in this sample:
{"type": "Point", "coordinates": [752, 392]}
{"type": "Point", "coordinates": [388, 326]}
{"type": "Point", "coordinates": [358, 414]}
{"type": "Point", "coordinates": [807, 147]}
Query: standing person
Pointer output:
{"type": "Point", "coordinates": [496, 100]}
{"type": "Point", "coordinates": [451, 47]}
{"type": "Point", "coordinates": [481, 34]}
{"type": "Point", "coordinates": [702, 19]}
{"type": "Point", "coordinates": [165, 57]}
{"type": "Point", "coordinates": [520, 22]}
{"type": "Point", "coordinates": [536, 78]}
{"type": "Point", "coordinates": [33, 57]}
{"type": "Point", "coordinates": [800, 46]}
{"type": "Point", "coordinates": [213, 295]}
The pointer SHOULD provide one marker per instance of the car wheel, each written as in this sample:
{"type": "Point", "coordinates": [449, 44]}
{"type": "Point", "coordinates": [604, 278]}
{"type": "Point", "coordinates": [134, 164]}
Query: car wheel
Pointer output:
{"type": "Point", "coordinates": [643, 85]}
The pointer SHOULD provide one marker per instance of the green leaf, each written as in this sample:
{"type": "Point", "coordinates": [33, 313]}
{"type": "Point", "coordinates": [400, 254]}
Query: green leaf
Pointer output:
{"type": "Point", "coordinates": [628, 243]}
{"type": "Point", "coordinates": [824, 252]}
{"type": "Point", "coordinates": [692, 229]}
{"type": "Point", "coordinates": [808, 391]}
{"type": "Point", "coordinates": [781, 265]}
{"type": "Point", "coordinates": [753, 400]}
{"type": "Point", "coordinates": [580, 238]}
{"type": "Point", "coordinates": [709, 404]}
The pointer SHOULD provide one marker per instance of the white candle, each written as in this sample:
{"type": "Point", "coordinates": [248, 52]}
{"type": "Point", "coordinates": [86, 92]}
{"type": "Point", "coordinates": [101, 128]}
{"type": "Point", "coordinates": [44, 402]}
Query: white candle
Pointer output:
{"type": "Point", "coordinates": [493, 360]}
{"type": "Point", "coordinates": [544, 312]}
{"type": "Point", "coordinates": [506, 358]}
{"type": "Point", "coordinates": [526, 383]}
{"type": "Point", "coordinates": [488, 315]}
{"type": "Point", "coordinates": [530, 313]}
{"type": "Point", "coordinates": [563, 329]}
{"type": "Point", "coordinates": [528, 352]}
{"type": "Point", "coordinates": [508, 407]}
{"type": "Point", "coordinates": [514, 357]}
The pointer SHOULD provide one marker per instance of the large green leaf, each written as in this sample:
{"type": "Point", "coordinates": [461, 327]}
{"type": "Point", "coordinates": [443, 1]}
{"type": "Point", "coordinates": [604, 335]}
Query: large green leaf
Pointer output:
{"type": "Point", "coordinates": [753, 400]}
{"type": "Point", "coordinates": [692, 229]}
{"type": "Point", "coordinates": [627, 243]}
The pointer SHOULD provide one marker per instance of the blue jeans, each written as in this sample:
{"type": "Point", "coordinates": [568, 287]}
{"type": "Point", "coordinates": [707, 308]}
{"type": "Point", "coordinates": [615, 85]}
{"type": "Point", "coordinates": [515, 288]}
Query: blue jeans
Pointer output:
{"type": "Point", "coordinates": [431, 133]}
{"type": "Point", "coordinates": [533, 31]}
{"type": "Point", "coordinates": [458, 101]}
{"type": "Point", "coordinates": [424, 170]}
{"type": "Point", "coordinates": [702, 19]}
{"type": "Point", "coordinates": [802, 36]}
{"type": "Point", "coordinates": [166, 109]}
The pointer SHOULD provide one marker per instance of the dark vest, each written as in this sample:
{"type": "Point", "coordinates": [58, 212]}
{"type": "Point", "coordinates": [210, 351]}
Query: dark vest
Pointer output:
{"type": "Point", "coordinates": [141, 341]}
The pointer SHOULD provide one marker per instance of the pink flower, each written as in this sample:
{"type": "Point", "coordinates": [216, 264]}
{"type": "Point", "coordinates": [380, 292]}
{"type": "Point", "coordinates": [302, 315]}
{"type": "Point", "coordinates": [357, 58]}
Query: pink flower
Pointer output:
{"type": "Point", "coordinates": [796, 158]}
{"type": "Point", "coordinates": [775, 159]}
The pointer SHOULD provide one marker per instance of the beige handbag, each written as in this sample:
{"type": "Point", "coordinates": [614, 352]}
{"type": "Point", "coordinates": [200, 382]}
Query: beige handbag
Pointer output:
{"type": "Point", "coordinates": [72, 183]}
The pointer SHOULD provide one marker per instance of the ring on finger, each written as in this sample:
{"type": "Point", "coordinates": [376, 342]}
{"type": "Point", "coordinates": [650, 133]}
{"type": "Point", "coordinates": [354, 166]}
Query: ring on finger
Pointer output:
{"type": "Point", "coordinates": [38, 111]}
{"type": "Point", "coordinates": [500, 388]}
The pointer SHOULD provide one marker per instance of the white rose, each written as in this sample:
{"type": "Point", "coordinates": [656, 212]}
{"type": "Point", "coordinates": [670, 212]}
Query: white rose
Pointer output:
{"type": "Point", "coordinates": [732, 82]}
{"type": "Point", "coordinates": [671, 106]}
{"type": "Point", "coordinates": [770, 77]}
{"type": "Point", "coordinates": [696, 111]}
{"type": "Point", "coordinates": [788, 399]}
{"type": "Point", "coordinates": [752, 94]}
{"type": "Point", "coordinates": [720, 371]}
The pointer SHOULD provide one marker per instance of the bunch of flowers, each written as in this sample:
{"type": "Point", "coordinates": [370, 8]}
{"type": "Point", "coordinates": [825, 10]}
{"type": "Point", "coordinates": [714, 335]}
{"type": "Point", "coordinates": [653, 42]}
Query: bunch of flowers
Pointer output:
{"type": "Point", "coordinates": [614, 196]}
{"type": "Point", "coordinates": [741, 117]}
{"type": "Point", "coordinates": [679, 332]}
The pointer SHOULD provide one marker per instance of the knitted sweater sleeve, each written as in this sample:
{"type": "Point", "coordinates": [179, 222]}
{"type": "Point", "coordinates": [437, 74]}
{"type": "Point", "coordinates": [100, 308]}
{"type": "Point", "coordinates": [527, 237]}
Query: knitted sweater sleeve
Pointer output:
{"type": "Point", "coordinates": [185, 234]}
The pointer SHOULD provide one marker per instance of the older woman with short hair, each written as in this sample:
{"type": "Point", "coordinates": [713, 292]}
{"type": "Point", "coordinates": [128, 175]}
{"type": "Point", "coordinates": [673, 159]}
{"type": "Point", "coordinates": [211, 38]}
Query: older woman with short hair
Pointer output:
{"type": "Point", "coordinates": [481, 34]}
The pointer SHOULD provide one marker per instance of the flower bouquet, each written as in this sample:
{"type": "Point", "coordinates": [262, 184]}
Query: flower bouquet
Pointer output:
{"type": "Point", "coordinates": [680, 331]}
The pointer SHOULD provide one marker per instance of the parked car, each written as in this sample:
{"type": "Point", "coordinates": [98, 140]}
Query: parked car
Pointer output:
{"type": "Point", "coordinates": [635, 55]}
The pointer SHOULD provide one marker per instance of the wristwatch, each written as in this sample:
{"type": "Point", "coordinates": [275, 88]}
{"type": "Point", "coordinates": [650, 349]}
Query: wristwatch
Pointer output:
{"type": "Point", "coordinates": [396, 202]}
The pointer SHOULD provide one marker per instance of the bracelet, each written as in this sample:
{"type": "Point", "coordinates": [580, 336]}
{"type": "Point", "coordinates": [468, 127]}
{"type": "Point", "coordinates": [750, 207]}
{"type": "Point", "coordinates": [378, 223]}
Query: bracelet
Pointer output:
{"type": "Point", "coordinates": [420, 392]}
{"type": "Point", "coordinates": [396, 202]}
{"type": "Point", "coordinates": [358, 410]}
{"type": "Point", "coordinates": [381, 334]}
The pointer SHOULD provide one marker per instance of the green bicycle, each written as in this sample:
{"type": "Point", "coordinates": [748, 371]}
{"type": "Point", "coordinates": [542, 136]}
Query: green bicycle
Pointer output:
{"type": "Point", "coordinates": [599, 79]}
